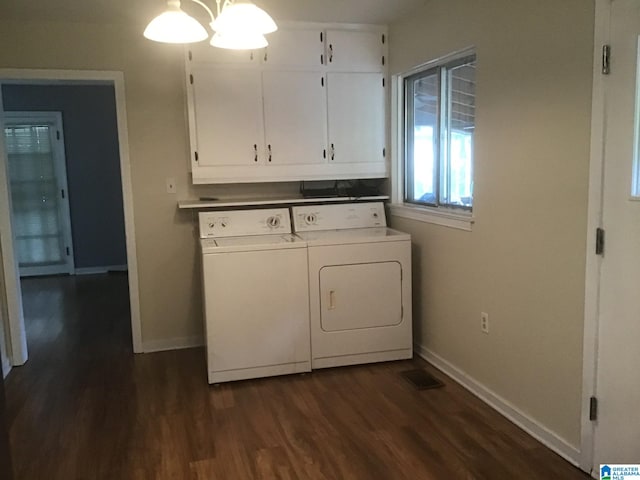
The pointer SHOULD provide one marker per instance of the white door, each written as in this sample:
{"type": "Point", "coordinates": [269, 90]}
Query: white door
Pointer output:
{"type": "Point", "coordinates": [295, 48]}
{"type": "Point", "coordinates": [617, 430]}
{"type": "Point", "coordinates": [356, 117]}
{"type": "Point", "coordinates": [228, 116]}
{"type": "Point", "coordinates": [39, 194]}
{"type": "Point", "coordinates": [355, 51]}
{"type": "Point", "coordinates": [295, 117]}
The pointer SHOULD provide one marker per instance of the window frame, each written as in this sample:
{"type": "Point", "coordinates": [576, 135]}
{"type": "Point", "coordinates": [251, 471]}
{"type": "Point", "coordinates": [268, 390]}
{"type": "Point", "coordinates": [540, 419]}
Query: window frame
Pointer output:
{"type": "Point", "coordinates": [456, 216]}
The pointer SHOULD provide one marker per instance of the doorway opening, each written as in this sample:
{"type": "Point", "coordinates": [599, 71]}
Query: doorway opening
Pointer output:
{"type": "Point", "coordinates": [97, 242]}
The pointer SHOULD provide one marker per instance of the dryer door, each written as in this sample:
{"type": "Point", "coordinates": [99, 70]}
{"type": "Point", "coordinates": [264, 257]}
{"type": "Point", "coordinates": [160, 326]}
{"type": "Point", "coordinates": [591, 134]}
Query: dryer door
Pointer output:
{"type": "Point", "coordinates": [358, 296]}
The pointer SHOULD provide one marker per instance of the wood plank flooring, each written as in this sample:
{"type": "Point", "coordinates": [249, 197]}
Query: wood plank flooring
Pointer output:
{"type": "Point", "coordinates": [84, 407]}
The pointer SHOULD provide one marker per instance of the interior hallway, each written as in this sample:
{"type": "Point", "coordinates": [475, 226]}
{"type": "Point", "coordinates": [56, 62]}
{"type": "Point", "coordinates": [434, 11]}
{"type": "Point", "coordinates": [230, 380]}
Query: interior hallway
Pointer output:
{"type": "Point", "coordinates": [84, 407]}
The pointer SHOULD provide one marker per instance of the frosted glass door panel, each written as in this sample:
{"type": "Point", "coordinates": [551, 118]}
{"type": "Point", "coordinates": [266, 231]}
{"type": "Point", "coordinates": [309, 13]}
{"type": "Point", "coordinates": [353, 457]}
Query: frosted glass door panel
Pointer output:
{"type": "Point", "coordinates": [38, 200]}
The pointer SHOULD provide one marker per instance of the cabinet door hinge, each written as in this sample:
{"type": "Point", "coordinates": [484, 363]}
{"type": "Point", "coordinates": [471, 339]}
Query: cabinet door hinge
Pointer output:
{"type": "Point", "coordinates": [195, 155]}
{"type": "Point", "coordinates": [191, 79]}
{"type": "Point", "coordinates": [599, 241]}
{"type": "Point", "coordinates": [593, 409]}
{"type": "Point", "coordinates": [606, 59]}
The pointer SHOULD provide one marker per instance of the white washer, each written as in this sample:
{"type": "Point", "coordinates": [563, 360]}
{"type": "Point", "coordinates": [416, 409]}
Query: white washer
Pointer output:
{"type": "Point", "coordinates": [359, 284]}
{"type": "Point", "coordinates": [256, 297]}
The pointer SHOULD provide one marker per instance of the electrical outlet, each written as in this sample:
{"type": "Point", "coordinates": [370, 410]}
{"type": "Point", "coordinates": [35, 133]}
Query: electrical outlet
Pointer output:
{"type": "Point", "coordinates": [171, 185]}
{"type": "Point", "coordinates": [484, 322]}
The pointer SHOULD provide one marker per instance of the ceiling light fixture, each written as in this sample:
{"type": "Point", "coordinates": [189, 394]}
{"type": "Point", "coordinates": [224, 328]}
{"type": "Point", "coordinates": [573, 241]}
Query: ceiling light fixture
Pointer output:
{"type": "Point", "coordinates": [239, 25]}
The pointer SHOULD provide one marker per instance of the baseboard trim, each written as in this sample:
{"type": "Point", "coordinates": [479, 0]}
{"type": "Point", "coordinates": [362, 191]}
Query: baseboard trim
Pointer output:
{"type": "Point", "coordinates": [180, 343]}
{"type": "Point", "coordinates": [512, 413]}
{"type": "Point", "coordinates": [103, 269]}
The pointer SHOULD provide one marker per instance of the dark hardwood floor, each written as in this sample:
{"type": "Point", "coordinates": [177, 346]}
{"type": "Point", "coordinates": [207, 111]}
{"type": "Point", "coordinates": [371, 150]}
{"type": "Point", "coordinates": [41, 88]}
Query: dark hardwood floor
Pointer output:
{"type": "Point", "coordinates": [84, 407]}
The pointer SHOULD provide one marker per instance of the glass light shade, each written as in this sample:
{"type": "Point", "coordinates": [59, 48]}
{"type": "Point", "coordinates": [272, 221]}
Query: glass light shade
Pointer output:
{"type": "Point", "coordinates": [239, 40]}
{"type": "Point", "coordinates": [244, 16]}
{"type": "Point", "coordinates": [175, 26]}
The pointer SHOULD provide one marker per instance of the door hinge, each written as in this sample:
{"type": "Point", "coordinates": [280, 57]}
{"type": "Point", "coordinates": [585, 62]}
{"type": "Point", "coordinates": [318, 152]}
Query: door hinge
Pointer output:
{"type": "Point", "coordinates": [68, 251]}
{"type": "Point", "coordinates": [599, 241]}
{"type": "Point", "coordinates": [58, 134]}
{"type": "Point", "coordinates": [195, 154]}
{"type": "Point", "coordinates": [593, 409]}
{"type": "Point", "coordinates": [62, 193]}
{"type": "Point", "coordinates": [191, 79]}
{"type": "Point", "coordinates": [606, 59]}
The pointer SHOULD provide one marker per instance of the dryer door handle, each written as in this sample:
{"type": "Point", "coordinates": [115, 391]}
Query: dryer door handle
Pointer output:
{"type": "Point", "coordinates": [332, 299]}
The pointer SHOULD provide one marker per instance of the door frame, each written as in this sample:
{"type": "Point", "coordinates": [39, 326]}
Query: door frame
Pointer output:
{"type": "Point", "coordinates": [16, 334]}
{"type": "Point", "coordinates": [54, 120]}
{"type": "Point", "coordinates": [594, 221]}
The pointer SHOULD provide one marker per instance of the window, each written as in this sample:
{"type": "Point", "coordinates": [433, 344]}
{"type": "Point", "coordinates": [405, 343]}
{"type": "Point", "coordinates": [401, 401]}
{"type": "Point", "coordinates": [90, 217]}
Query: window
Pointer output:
{"type": "Point", "coordinates": [439, 108]}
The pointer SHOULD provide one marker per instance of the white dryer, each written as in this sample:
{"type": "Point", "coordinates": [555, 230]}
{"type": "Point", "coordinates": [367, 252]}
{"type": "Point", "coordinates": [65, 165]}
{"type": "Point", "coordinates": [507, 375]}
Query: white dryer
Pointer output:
{"type": "Point", "coordinates": [256, 297]}
{"type": "Point", "coordinates": [359, 284]}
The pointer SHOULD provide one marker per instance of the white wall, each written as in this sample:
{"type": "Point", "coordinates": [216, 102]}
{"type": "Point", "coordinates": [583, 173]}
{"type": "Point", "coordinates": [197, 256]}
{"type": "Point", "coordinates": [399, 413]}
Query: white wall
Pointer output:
{"type": "Point", "coordinates": [524, 261]}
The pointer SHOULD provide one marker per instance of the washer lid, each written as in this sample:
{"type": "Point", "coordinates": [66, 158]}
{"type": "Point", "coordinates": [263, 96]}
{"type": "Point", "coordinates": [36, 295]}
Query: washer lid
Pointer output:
{"type": "Point", "coordinates": [354, 235]}
{"type": "Point", "coordinates": [248, 243]}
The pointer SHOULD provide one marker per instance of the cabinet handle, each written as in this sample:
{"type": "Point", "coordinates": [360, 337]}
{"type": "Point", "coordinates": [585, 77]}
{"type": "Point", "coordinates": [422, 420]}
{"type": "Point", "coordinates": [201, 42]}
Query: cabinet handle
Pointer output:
{"type": "Point", "coordinates": [330, 53]}
{"type": "Point", "coordinates": [269, 148]}
{"type": "Point", "coordinates": [255, 152]}
{"type": "Point", "coordinates": [332, 299]}
{"type": "Point", "coordinates": [333, 152]}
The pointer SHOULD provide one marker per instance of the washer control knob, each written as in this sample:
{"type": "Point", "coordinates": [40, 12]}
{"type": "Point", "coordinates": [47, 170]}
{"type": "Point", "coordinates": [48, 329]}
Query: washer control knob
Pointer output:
{"type": "Point", "coordinates": [273, 221]}
{"type": "Point", "coordinates": [310, 218]}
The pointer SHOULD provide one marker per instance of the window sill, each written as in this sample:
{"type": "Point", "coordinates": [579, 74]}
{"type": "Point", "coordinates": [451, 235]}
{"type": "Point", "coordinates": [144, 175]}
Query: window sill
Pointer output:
{"type": "Point", "coordinates": [446, 218]}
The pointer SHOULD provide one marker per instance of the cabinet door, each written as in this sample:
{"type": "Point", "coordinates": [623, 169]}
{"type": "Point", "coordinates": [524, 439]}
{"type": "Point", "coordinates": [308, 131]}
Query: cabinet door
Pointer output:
{"type": "Point", "coordinates": [202, 52]}
{"type": "Point", "coordinates": [295, 117]}
{"type": "Point", "coordinates": [356, 117]}
{"type": "Point", "coordinates": [294, 49]}
{"type": "Point", "coordinates": [355, 51]}
{"type": "Point", "coordinates": [228, 116]}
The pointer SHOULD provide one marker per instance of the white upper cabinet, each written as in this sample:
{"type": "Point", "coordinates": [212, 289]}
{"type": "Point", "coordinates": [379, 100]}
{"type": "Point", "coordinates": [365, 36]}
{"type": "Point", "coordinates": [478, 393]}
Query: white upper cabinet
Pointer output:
{"type": "Point", "coordinates": [356, 51]}
{"type": "Point", "coordinates": [228, 117]}
{"type": "Point", "coordinates": [310, 106]}
{"type": "Point", "coordinates": [357, 132]}
{"type": "Point", "coordinates": [294, 48]}
{"type": "Point", "coordinates": [295, 117]}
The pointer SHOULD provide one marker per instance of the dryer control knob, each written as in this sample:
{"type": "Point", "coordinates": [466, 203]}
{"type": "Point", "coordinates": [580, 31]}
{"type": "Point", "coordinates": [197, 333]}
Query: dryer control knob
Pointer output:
{"type": "Point", "coordinates": [310, 218]}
